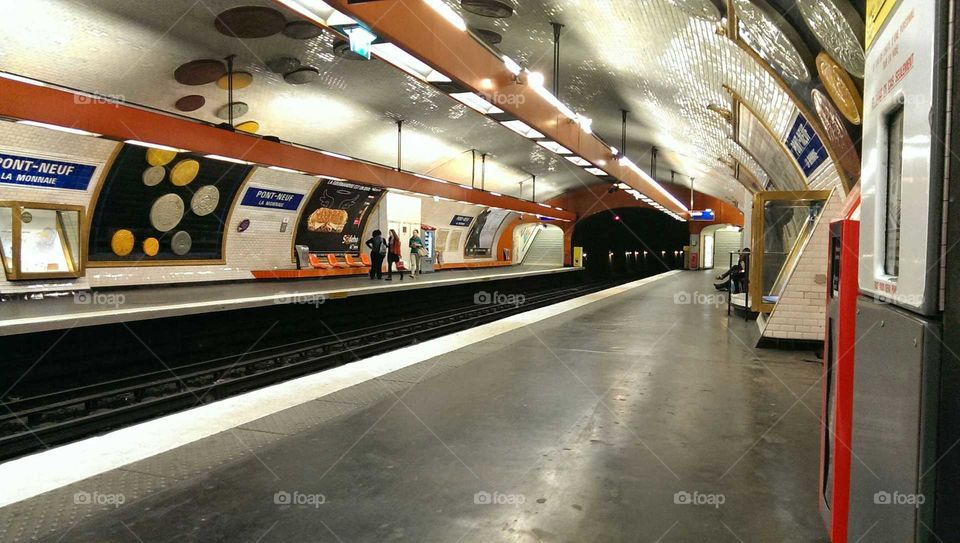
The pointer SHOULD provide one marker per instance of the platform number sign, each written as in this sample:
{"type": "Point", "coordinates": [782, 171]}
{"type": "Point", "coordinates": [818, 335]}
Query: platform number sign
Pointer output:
{"type": "Point", "coordinates": [805, 146]}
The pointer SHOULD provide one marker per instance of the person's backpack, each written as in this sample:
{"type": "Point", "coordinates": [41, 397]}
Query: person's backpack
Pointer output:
{"type": "Point", "coordinates": [383, 247]}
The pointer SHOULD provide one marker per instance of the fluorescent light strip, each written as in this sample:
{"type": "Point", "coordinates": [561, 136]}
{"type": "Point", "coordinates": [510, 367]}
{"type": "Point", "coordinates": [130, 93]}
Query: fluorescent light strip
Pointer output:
{"type": "Point", "coordinates": [523, 129]}
{"type": "Point", "coordinates": [287, 170]}
{"type": "Point", "coordinates": [156, 146]}
{"type": "Point", "coordinates": [476, 102]}
{"type": "Point", "coordinates": [447, 13]}
{"type": "Point", "coordinates": [21, 79]}
{"type": "Point", "coordinates": [596, 171]}
{"type": "Point", "coordinates": [336, 155]}
{"type": "Point", "coordinates": [428, 178]}
{"type": "Point", "coordinates": [389, 52]}
{"type": "Point", "coordinates": [555, 147]}
{"type": "Point", "coordinates": [624, 161]}
{"type": "Point", "coordinates": [468, 187]}
{"type": "Point", "coordinates": [496, 194]}
{"type": "Point", "coordinates": [67, 129]}
{"type": "Point", "coordinates": [228, 159]}
{"type": "Point", "coordinates": [579, 161]}
{"type": "Point", "coordinates": [511, 65]}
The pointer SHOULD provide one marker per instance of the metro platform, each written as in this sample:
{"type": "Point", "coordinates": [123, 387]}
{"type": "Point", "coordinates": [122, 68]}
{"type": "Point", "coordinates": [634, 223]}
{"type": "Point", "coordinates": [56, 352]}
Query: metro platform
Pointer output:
{"type": "Point", "coordinates": [19, 316]}
{"type": "Point", "coordinates": [597, 419]}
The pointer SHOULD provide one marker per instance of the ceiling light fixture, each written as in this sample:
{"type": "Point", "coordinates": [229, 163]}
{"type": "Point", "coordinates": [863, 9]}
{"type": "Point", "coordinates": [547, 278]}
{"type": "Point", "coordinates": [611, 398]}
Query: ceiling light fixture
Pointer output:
{"type": "Point", "coordinates": [228, 159]}
{"type": "Point", "coordinates": [156, 146]}
{"type": "Point", "coordinates": [21, 79]}
{"type": "Point", "coordinates": [475, 101]}
{"type": "Point", "coordinates": [627, 163]}
{"type": "Point", "coordinates": [389, 52]}
{"type": "Point", "coordinates": [336, 155]}
{"type": "Point", "coordinates": [447, 13]}
{"type": "Point", "coordinates": [579, 161]}
{"type": "Point", "coordinates": [68, 130]}
{"type": "Point", "coordinates": [496, 194]}
{"type": "Point", "coordinates": [596, 171]}
{"type": "Point", "coordinates": [523, 129]}
{"type": "Point", "coordinates": [511, 65]}
{"type": "Point", "coordinates": [555, 147]}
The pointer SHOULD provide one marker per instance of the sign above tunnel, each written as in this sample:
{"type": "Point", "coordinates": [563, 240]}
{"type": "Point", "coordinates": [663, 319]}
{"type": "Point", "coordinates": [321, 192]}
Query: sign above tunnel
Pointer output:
{"type": "Point", "coordinates": [702, 215]}
{"type": "Point", "coordinates": [805, 146]}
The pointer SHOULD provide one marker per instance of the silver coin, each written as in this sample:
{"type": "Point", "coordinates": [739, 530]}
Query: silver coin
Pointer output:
{"type": "Point", "coordinates": [166, 212]}
{"type": "Point", "coordinates": [181, 243]}
{"type": "Point", "coordinates": [205, 200]}
{"type": "Point", "coordinates": [153, 175]}
{"type": "Point", "coordinates": [239, 110]}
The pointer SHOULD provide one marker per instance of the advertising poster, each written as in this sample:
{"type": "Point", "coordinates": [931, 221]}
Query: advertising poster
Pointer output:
{"type": "Point", "coordinates": [335, 215]}
{"type": "Point", "coordinates": [483, 233]}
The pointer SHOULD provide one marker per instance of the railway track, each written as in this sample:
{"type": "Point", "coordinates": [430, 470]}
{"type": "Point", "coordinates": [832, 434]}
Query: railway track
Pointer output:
{"type": "Point", "coordinates": [39, 421]}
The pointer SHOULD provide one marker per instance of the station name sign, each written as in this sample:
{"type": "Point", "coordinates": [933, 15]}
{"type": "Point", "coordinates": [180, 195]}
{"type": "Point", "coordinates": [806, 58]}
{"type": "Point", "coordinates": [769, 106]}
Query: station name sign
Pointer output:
{"type": "Point", "coordinates": [702, 215]}
{"type": "Point", "coordinates": [43, 173]}
{"type": "Point", "coordinates": [271, 199]}
{"type": "Point", "coordinates": [461, 220]}
{"type": "Point", "coordinates": [805, 146]}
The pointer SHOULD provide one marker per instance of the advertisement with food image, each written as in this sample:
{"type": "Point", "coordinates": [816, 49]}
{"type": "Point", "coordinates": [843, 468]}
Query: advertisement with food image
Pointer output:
{"type": "Point", "coordinates": [335, 215]}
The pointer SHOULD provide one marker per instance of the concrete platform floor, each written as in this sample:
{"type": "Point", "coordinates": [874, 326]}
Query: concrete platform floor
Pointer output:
{"type": "Point", "coordinates": [600, 424]}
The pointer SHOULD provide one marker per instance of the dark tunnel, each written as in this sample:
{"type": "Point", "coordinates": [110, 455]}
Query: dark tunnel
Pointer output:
{"type": "Point", "coordinates": [631, 241]}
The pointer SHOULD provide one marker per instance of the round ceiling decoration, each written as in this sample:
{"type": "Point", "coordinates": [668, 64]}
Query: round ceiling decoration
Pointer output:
{"type": "Point", "coordinates": [488, 36]}
{"type": "Point", "coordinates": [184, 172]}
{"type": "Point", "coordinates": [151, 246]}
{"type": "Point", "coordinates": [122, 242]}
{"type": "Point", "coordinates": [181, 243]}
{"type": "Point", "coordinates": [250, 22]}
{"type": "Point", "coordinates": [302, 30]}
{"type": "Point", "coordinates": [342, 49]}
{"type": "Point", "coordinates": [241, 80]}
{"type": "Point", "coordinates": [239, 110]}
{"type": "Point", "coordinates": [487, 8]}
{"type": "Point", "coordinates": [840, 87]}
{"type": "Point", "coordinates": [205, 200]}
{"type": "Point", "coordinates": [282, 65]}
{"type": "Point", "coordinates": [154, 175]}
{"type": "Point", "coordinates": [767, 33]}
{"type": "Point", "coordinates": [701, 9]}
{"type": "Point", "coordinates": [200, 72]}
{"type": "Point", "coordinates": [839, 28]}
{"type": "Point", "coordinates": [166, 212]}
{"type": "Point", "coordinates": [160, 157]}
{"type": "Point", "coordinates": [301, 76]}
{"type": "Point", "coordinates": [191, 102]}
{"type": "Point", "coordinates": [837, 134]}
{"type": "Point", "coordinates": [251, 127]}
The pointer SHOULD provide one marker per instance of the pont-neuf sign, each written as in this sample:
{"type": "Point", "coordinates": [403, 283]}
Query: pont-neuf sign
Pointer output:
{"type": "Point", "coordinates": [44, 173]}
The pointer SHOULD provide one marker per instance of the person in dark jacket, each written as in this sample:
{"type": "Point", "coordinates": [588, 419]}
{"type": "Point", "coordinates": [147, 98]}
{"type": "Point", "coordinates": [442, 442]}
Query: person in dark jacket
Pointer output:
{"type": "Point", "coordinates": [378, 249]}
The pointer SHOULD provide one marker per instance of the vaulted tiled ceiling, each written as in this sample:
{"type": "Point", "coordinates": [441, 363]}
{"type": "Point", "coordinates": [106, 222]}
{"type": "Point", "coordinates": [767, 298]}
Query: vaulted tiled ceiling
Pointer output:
{"type": "Point", "coordinates": [665, 61]}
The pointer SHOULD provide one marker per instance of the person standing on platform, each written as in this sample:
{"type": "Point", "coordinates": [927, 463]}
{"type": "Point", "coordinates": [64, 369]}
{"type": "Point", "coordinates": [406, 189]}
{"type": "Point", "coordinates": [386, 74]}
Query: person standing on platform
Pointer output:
{"type": "Point", "coordinates": [393, 255]}
{"type": "Point", "coordinates": [378, 249]}
{"type": "Point", "coordinates": [417, 251]}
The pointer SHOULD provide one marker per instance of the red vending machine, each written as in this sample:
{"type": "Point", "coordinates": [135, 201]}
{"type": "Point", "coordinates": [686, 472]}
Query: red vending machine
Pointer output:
{"type": "Point", "coordinates": [837, 406]}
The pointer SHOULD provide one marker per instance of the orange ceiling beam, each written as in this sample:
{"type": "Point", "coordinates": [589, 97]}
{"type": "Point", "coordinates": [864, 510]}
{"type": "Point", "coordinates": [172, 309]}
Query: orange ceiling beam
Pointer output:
{"type": "Point", "coordinates": [418, 29]}
{"type": "Point", "coordinates": [24, 101]}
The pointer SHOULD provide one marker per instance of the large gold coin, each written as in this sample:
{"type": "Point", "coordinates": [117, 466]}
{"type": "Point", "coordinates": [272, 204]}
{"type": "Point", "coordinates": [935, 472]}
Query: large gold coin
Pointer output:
{"type": "Point", "coordinates": [151, 246]}
{"type": "Point", "coordinates": [241, 80]}
{"type": "Point", "coordinates": [841, 88]}
{"type": "Point", "coordinates": [160, 157]}
{"type": "Point", "coordinates": [248, 126]}
{"type": "Point", "coordinates": [122, 242]}
{"type": "Point", "coordinates": [184, 172]}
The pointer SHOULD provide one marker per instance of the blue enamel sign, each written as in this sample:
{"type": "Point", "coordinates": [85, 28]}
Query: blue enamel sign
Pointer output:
{"type": "Point", "coordinates": [44, 173]}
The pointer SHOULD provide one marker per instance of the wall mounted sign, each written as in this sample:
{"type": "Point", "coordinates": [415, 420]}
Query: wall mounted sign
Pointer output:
{"type": "Point", "coordinates": [361, 40]}
{"type": "Point", "coordinates": [805, 146]}
{"type": "Point", "coordinates": [271, 199]}
{"type": "Point", "coordinates": [704, 215]}
{"type": "Point", "coordinates": [43, 173]}
{"type": "Point", "coordinates": [334, 216]}
{"type": "Point", "coordinates": [461, 220]}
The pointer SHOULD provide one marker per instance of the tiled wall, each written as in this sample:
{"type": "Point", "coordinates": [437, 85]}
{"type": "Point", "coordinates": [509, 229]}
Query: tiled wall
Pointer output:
{"type": "Point", "coordinates": [801, 312]}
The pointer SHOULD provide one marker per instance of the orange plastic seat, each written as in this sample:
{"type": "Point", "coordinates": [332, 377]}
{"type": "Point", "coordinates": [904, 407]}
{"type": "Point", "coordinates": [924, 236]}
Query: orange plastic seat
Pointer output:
{"type": "Point", "coordinates": [315, 262]}
{"type": "Point", "coordinates": [352, 262]}
{"type": "Point", "coordinates": [334, 263]}
{"type": "Point", "coordinates": [365, 258]}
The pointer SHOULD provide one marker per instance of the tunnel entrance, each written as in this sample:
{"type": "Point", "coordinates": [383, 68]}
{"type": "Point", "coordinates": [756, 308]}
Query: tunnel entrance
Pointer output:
{"type": "Point", "coordinates": [631, 241]}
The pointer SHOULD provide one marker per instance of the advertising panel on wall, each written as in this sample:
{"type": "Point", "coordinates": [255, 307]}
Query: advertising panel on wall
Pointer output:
{"type": "Point", "coordinates": [335, 215]}
{"type": "Point", "coordinates": [161, 207]}
{"type": "Point", "coordinates": [483, 233]}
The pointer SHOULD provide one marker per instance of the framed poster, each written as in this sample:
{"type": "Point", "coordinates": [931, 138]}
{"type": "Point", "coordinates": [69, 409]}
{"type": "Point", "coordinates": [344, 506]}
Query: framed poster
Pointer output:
{"type": "Point", "coordinates": [335, 215]}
